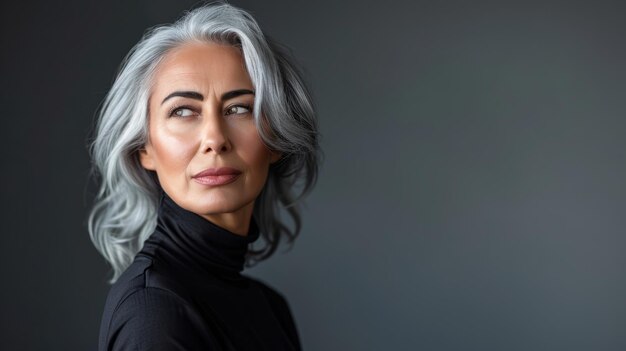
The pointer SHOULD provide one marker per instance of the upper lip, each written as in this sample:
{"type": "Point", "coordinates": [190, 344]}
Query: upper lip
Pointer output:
{"type": "Point", "coordinates": [217, 172]}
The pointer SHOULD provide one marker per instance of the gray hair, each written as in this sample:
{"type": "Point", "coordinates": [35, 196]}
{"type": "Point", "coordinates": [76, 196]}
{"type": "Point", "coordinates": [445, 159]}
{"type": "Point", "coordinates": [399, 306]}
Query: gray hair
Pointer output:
{"type": "Point", "coordinates": [124, 214]}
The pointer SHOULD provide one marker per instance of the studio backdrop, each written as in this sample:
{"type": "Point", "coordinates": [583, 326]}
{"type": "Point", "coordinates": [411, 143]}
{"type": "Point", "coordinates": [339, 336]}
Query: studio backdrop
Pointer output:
{"type": "Point", "coordinates": [471, 197]}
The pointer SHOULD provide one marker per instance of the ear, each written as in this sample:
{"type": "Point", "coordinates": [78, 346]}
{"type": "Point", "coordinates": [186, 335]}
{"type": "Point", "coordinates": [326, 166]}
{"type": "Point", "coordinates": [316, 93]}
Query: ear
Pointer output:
{"type": "Point", "coordinates": [275, 156]}
{"type": "Point", "coordinates": [146, 159]}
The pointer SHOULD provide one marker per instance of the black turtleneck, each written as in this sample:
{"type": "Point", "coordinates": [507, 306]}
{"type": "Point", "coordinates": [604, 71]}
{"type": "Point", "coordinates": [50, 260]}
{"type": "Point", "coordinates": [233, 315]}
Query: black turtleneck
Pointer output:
{"type": "Point", "coordinates": [185, 291]}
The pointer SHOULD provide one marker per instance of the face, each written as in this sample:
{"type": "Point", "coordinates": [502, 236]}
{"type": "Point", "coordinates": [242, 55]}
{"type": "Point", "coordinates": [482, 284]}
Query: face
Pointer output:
{"type": "Point", "coordinates": [200, 118]}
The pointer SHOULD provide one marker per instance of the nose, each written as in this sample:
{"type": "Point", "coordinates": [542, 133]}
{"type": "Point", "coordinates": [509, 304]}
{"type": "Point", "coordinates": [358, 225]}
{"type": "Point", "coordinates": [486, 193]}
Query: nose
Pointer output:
{"type": "Point", "coordinates": [215, 136]}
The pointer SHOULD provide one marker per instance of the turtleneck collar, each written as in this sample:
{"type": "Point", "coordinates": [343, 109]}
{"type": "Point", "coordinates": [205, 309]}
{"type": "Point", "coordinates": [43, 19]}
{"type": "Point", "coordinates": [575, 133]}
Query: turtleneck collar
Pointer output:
{"type": "Point", "coordinates": [190, 239]}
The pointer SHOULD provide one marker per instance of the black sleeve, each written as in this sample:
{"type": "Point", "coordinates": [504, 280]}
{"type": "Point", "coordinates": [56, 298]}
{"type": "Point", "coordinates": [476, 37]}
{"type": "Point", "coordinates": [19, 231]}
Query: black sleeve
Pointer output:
{"type": "Point", "coordinates": [156, 319]}
{"type": "Point", "coordinates": [290, 323]}
{"type": "Point", "coordinates": [283, 313]}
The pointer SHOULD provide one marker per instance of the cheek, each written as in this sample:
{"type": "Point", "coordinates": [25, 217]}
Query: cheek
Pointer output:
{"type": "Point", "coordinates": [173, 151]}
{"type": "Point", "coordinates": [252, 149]}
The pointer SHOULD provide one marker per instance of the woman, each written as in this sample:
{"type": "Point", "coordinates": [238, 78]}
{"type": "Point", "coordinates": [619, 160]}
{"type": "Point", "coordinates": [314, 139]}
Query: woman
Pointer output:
{"type": "Point", "coordinates": [198, 144]}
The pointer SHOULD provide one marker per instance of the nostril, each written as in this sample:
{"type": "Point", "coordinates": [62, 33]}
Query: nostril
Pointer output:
{"type": "Point", "coordinates": [216, 145]}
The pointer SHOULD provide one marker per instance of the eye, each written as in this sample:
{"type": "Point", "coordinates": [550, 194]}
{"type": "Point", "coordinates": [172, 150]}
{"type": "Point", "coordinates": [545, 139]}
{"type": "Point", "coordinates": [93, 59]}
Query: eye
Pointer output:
{"type": "Point", "coordinates": [238, 109]}
{"type": "Point", "coordinates": [182, 111]}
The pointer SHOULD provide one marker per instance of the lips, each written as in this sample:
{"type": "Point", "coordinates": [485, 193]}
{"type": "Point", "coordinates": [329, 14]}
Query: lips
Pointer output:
{"type": "Point", "coordinates": [217, 176]}
{"type": "Point", "coordinates": [213, 172]}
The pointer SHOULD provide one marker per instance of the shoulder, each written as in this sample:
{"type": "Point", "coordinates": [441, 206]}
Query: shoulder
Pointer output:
{"type": "Point", "coordinates": [269, 291]}
{"type": "Point", "coordinates": [140, 317]}
{"type": "Point", "coordinates": [276, 299]}
{"type": "Point", "coordinates": [281, 308]}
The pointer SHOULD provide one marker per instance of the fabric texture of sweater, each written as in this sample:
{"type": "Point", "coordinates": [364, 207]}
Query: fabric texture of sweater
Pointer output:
{"type": "Point", "coordinates": [185, 291]}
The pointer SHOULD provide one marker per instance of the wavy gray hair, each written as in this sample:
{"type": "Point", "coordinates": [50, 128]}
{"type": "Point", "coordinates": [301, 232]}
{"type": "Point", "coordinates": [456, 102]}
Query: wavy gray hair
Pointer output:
{"type": "Point", "coordinates": [125, 207]}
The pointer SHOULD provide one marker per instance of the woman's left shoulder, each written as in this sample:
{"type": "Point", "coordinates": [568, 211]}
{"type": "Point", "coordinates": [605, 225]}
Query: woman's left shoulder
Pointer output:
{"type": "Point", "coordinates": [269, 291]}
{"type": "Point", "coordinates": [281, 308]}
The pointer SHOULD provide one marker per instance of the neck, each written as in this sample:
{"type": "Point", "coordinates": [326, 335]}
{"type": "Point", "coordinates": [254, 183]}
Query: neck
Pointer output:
{"type": "Point", "coordinates": [191, 240]}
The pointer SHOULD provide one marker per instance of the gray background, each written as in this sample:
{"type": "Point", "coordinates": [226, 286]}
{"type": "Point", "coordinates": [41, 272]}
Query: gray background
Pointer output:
{"type": "Point", "coordinates": [472, 195]}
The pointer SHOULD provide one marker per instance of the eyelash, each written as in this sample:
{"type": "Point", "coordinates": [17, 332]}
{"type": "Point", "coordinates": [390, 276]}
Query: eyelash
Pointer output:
{"type": "Point", "coordinates": [176, 108]}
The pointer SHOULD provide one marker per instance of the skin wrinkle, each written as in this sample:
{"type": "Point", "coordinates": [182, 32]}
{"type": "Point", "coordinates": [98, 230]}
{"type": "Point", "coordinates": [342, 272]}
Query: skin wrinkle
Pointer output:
{"type": "Point", "coordinates": [207, 137]}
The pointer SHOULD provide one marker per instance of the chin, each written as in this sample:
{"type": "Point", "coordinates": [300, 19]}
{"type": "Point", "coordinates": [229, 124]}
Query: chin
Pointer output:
{"type": "Point", "coordinates": [216, 205]}
{"type": "Point", "coordinates": [215, 210]}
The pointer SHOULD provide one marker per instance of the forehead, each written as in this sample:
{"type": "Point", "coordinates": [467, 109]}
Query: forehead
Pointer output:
{"type": "Point", "coordinates": [201, 66]}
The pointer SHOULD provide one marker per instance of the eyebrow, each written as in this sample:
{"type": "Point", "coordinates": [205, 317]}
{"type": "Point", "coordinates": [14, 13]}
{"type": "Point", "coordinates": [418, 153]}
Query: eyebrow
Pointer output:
{"type": "Point", "coordinates": [197, 96]}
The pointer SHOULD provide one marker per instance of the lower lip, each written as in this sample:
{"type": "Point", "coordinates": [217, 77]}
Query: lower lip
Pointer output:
{"type": "Point", "coordinates": [217, 180]}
